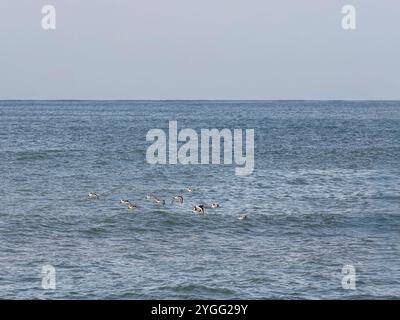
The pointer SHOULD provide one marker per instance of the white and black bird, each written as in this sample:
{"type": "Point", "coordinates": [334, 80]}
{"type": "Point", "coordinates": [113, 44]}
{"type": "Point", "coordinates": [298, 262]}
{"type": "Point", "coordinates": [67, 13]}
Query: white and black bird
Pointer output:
{"type": "Point", "coordinates": [243, 217]}
{"type": "Point", "coordinates": [159, 201]}
{"type": "Point", "coordinates": [132, 206]}
{"type": "Point", "coordinates": [198, 209]}
{"type": "Point", "coordinates": [93, 195]}
{"type": "Point", "coordinates": [177, 198]}
{"type": "Point", "coordinates": [213, 205]}
{"type": "Point", "coordinates": [155, 199]}
{"type": "Point", "coordinates": [189, 189]}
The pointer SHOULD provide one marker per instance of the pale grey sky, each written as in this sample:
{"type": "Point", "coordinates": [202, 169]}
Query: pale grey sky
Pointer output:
{"type": "Point", "coordinates": [200, 49]}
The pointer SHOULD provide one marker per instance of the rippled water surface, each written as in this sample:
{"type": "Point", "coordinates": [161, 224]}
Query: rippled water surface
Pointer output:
{"type": "Point", "coordinates": [324, 193]}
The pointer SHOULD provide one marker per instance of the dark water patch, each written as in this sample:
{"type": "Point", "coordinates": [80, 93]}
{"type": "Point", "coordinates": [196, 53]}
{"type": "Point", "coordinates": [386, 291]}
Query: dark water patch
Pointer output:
{"type": "Point", "coordinates": [94, 232]}
{"type": "Point", "coordinates": [196, 288]}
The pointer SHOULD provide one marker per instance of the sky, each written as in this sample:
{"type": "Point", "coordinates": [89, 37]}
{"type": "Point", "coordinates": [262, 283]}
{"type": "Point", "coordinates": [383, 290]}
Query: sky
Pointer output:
{"type": "Point", "coordinates": [200, 49]}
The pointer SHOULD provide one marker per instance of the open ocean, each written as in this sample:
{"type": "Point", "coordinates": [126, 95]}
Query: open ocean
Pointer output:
{"type": "Point", "coordinates": [325, 193]}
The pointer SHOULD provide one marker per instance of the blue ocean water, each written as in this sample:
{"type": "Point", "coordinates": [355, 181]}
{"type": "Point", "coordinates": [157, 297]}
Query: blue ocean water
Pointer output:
{"type": "Point", "coordinates": [324, 194]}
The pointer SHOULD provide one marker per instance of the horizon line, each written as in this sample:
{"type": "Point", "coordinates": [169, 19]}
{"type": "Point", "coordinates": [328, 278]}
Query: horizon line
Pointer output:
{"type": "Point", "coordinates": [166, 100]}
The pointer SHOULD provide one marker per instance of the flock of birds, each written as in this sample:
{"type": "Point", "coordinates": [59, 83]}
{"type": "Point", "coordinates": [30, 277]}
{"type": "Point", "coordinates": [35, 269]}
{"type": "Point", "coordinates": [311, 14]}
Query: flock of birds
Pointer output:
{"type": "Point", "coordinates": [198, 209]}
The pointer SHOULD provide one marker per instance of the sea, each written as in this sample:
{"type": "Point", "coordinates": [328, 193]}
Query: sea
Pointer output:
{"type": "Point", "coordinates": [322, 204]}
